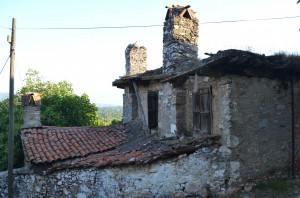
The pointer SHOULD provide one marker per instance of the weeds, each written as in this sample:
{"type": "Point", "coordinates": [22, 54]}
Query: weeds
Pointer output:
{"type": "Point", "coordinates": [277, 186]}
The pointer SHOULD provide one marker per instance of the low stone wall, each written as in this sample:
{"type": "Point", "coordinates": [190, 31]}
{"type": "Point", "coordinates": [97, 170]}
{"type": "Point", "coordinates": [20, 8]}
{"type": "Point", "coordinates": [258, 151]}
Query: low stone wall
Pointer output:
{"type": "Point", "coordinates": [202, 173]}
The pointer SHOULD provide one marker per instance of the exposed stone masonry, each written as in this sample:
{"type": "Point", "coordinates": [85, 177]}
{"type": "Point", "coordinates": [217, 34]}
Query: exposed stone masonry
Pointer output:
{"type": "Point", "coordinates": [200, 174]}
{"type": "Point", "coordinates": [180, 36]}
{"type": "Point", "coordinates": [136, 59]}
{"type": "Point", "coordinates": [31, 104]}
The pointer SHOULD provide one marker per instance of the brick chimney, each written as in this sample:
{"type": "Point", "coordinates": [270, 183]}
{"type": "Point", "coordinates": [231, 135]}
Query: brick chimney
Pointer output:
{"type": "Point", "coordinates": [136, 59]}
{"type": "Point", "coordinates": [31, 103]}
{"type": "Point", "coordinates": [180, 36]}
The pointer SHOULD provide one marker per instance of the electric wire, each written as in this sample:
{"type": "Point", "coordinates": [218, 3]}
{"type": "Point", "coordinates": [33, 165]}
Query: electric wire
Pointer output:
{"type": "Point", "coordinates": [18, 68]}
{"type": "Point", "coordinates": [5, 27]}
{"type": "Point", "coordinates": [91, 28]}
{"type": "Point", "coordinates": [4, 64]}
{"type": "Point", "coordinates": [150, 26]}
{"type": "Point", "coordinates": [249, 20]}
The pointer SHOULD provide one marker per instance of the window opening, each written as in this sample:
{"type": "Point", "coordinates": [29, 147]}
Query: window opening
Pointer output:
{"type": "Point", "coordinates": [152, 110]}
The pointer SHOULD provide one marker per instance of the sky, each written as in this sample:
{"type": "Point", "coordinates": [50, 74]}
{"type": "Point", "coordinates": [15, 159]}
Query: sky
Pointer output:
{"type": "Point", "coordinates": [90, 59]}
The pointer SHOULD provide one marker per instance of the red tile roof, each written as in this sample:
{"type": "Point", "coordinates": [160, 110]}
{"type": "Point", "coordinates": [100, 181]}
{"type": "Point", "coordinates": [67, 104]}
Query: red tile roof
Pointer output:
{"type": "Point", "coordinates": [50, 144]}
{"type": "Point", "coordinates": [53, 148]}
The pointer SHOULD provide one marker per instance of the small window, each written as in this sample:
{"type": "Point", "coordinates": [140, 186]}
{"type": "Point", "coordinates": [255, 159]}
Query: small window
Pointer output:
{"type": "Point", "coordinates": [152, 110]}
{"type": "Point", "coordinates": [202, 111]}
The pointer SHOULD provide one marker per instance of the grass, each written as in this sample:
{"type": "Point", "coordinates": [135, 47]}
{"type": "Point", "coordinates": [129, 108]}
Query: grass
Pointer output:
{"type": "Point", "coordinates": [277, 186]}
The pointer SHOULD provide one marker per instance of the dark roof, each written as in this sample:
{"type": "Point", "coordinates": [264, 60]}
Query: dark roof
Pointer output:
{"type": "Point", "coordinates": [227, 62]}
{"type": "Point", "coordinates": [54, 148]}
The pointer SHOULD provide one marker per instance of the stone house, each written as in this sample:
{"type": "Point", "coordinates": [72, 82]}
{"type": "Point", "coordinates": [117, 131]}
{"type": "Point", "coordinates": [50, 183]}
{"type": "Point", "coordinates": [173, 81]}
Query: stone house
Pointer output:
{"type": "Point", "coordinates": [202, 128]}
{"type": "Point", "coordinates": [251, 101]}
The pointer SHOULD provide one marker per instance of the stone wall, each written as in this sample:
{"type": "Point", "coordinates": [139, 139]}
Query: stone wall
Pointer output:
{"type": "Point", "coordinates": [136, 59]}
{"type": "Point", "coordinates": [167, 115]}
{"type": "Point", "coordinates": [202, 173]}
{"type": "Point", "coordinates": [166, 106]}
{"type": "Point", "coordinates": [220, 104]}
{"type": "Point", "coordinates": [175, 115]}
{"type": "Point", "coordinates": [261, 126]}
{"type": "Point", "coordinates": [253, 117]}
{"type": "Point", "coordinates": [180, 40]}
{"type": "Point", "coordinates": [31, 104]}
{"type": "Point", "coordinates": [130, 111]}
{"type": "Point", "coordinates": [297, 122]}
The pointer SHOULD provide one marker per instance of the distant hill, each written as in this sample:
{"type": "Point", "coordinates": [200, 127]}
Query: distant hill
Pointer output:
{"type": "Point", "coordinates": [110, 112]}
{"type": "Point", "coordinates": [3, 96]}
{"type": "Point", "coordinates": [107, 105]}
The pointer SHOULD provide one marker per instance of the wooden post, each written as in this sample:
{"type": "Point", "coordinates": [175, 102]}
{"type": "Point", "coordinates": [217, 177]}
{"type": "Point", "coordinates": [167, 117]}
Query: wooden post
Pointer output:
{"type": "Point", "coordinates": [140, 106]}
{"type": "Point", "coordinates": [11, 112]}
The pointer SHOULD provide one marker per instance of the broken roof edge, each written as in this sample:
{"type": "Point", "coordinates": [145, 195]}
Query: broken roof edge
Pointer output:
{"type": "Point", "coordinates": [225, 62]}
{"type": "Point", "coordinates": [152, 151]}
{"type": "Point", "coordinates": [149, 75]}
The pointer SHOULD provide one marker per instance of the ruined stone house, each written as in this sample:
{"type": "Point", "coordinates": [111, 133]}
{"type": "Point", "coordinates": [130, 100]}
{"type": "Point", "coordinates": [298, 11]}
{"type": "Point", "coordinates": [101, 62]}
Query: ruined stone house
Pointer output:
{"type": "Point", "coordinates": [206, 128]}
{"type": "Point", "coordinates": [250, 100]}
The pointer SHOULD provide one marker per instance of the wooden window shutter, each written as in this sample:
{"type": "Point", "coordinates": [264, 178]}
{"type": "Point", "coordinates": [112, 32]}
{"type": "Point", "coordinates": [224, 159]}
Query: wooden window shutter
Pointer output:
{"type": "Point", "coordinates": [202, 110]}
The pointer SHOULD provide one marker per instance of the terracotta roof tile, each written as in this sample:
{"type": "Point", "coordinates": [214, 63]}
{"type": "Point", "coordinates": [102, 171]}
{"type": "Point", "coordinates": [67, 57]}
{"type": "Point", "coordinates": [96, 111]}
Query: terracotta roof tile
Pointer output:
{"type": "Point", "coordinates": [75, 147]}
{"type": "Point", "coordinates": [49, 144]}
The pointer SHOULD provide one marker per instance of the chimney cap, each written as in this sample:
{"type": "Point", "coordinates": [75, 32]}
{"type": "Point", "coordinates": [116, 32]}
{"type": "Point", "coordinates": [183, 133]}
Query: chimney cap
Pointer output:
{"type": "Point", "coordinates": [182, 11]}
{"type": "Point", "coordinates": [31, 99]}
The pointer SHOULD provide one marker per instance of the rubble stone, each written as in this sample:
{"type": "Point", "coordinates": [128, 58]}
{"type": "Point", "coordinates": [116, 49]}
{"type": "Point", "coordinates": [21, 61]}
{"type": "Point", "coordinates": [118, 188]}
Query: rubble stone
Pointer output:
{"type": "Point", "coordinates": [180, 37]}
{"type": "Point", "coordinates": [136, 59]}
{"type": "Point", "coordinates": [184, 176]}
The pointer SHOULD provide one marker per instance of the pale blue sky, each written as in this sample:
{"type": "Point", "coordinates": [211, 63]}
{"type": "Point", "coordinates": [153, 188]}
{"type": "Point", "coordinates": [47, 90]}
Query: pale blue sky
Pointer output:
{"type": "Point", "coordinates": [92, 59]}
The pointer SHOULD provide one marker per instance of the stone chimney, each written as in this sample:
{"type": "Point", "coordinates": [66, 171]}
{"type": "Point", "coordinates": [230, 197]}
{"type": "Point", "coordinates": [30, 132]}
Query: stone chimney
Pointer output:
{"type": "Point", "coordinates": [136, 59]}
{"type": "Point", "coordinates": [180, 36]}
{"type": "Point", "coordinates": [31, 103]}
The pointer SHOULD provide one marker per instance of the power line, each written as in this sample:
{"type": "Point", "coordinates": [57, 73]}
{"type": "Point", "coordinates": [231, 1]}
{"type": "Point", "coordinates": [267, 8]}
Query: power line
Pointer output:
{"type": "Point", "coordinates": [249, 20]}
{"type": "Point", "coordinates": [150, 26]}
{"type": "Point", "coordinates": [5, 27]}
{"type": "Point", "coordinates": [17, 66]}
{"type": "Point", "coordinates": [4, 64]}
{"type": "Point", "coordinates": [91, 28]}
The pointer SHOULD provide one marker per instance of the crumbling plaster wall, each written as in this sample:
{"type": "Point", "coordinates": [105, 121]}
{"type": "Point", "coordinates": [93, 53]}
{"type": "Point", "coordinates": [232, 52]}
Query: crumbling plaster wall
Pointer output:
{"type": "Point", "coordinates": [260, 126]}
{"type": "Point", "coordinates": [167, 126]}
{"type": "Point", "coordinates": [253, 117]}
{"type": "Point", "coordinates": [129, 105]}
{"type": "Point", "coordinates": [199, 174]}
{"type": "Point", "coordinates": [221, 90]}
{"type": "Point", "coordinates": [166, 107]}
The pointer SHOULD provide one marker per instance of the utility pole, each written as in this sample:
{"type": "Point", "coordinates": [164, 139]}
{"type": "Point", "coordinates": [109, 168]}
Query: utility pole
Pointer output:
{"type": "Point", "coordinates": [11, 111]}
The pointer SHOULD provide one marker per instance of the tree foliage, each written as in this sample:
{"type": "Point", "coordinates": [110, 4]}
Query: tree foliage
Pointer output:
{"type": "Point", "coordinates": [60, 107]}
{"type": "Point", "coordinates": [4, 122]}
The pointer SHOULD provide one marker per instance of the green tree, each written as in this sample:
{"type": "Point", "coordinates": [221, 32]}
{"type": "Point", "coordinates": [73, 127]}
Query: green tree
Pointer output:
{"type": "Point", "coordinates": [4, 122]}
{"type": "Point", "coordinates": [60, 107]}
